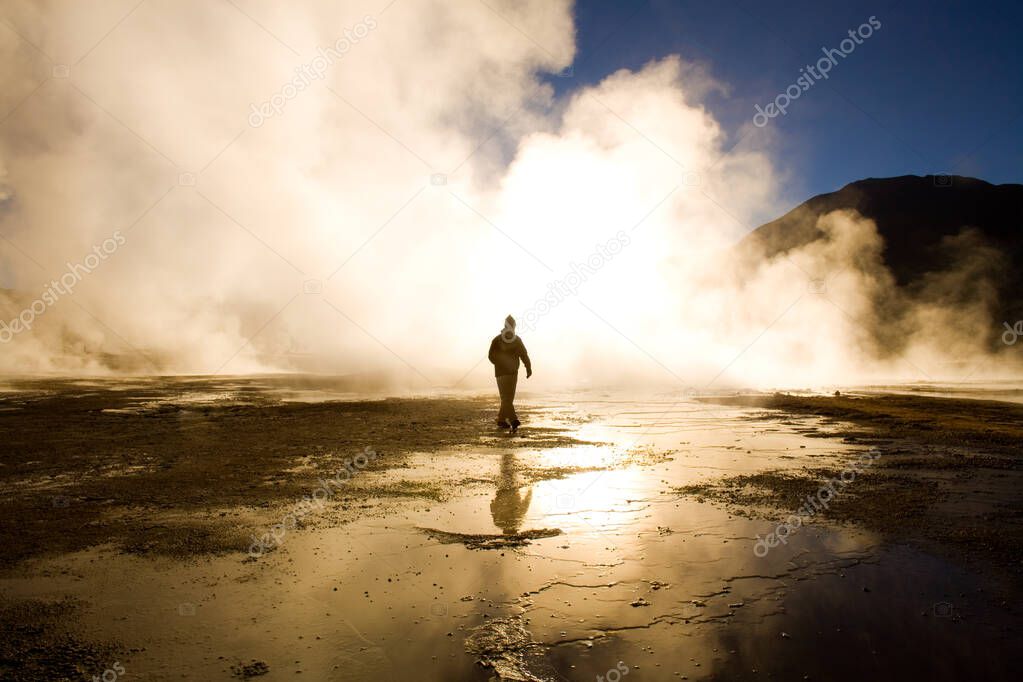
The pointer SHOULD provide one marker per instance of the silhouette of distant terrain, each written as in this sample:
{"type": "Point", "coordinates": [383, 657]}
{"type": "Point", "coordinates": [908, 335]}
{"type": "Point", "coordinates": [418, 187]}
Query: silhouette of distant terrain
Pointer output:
{"type": "Point", "coordinates": [926, 226]}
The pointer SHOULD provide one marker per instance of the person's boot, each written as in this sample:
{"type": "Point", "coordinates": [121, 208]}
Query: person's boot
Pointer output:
{"type": "Point", "coordinates": [515, 425]}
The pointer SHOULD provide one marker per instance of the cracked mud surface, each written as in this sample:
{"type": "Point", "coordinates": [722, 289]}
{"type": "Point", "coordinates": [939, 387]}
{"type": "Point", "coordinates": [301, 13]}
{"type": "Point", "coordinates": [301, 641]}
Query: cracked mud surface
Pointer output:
{"type": "Point", "coordinates": [609, 534]}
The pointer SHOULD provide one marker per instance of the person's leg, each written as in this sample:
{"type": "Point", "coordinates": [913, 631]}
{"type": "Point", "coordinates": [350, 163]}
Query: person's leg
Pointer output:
{"type": "Point", "coordinates": [506, 398]}
{"type": "Point", "coordinates": [512, 383]}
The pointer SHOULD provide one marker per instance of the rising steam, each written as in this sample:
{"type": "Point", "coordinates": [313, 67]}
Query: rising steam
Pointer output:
{"type": "Point", "coordinates": [421, 184]}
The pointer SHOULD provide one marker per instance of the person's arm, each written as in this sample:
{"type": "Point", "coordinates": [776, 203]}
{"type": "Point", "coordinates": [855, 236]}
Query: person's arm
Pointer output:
{"type": "Point", "coordinates": [492, 355]}
{"type": "Point", "coordinates": [524, 356]}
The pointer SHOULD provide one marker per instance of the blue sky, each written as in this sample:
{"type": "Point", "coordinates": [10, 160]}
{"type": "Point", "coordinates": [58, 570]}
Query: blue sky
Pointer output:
{"type": "Point", "coordinates": [939, 88]}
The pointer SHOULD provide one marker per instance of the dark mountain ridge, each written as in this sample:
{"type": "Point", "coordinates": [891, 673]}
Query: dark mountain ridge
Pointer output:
{"type": "Point", "coordinates": [928, 223]}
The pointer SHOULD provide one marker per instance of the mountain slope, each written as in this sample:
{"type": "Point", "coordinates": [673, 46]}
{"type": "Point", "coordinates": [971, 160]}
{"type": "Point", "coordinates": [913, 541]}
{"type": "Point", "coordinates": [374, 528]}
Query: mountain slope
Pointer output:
{"type": "Point", "coordinates": [927, 223]}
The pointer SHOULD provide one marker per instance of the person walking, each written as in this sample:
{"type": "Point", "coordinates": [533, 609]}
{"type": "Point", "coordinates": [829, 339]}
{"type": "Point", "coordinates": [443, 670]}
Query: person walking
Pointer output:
{"type": "Point", "coordinates": [506, 350]}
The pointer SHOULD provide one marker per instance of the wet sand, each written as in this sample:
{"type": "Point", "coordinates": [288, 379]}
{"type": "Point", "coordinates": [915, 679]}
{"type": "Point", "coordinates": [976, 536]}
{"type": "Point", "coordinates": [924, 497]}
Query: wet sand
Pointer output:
{"type": "Point", "coordinates": [160, 526]}
{"type": "Point", "coordinates": [947, 476]}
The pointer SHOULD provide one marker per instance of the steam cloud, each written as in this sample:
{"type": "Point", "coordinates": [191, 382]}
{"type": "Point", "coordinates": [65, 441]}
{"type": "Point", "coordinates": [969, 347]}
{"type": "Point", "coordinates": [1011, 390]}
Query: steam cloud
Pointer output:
{"type": "Point", "coordinates": [423, 185]}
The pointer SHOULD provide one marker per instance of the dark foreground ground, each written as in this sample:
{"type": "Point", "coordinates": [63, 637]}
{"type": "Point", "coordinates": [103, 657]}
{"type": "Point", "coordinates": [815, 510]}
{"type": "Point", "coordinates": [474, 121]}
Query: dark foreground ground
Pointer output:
{"type": "Point", "coordinates": [194, 477]}
{"type": "Point", "coordinates": [92, 467]}
{"type": "Point", "coordinates": [86, 467]}
{"type": "Point", "coordinates": [947, 476]}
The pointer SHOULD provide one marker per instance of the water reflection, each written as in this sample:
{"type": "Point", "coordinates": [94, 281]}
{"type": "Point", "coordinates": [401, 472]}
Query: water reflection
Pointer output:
{"type": "Point", "coordinates": [640, 575]}
{"type": "Point", "coordinates": [509, 505]}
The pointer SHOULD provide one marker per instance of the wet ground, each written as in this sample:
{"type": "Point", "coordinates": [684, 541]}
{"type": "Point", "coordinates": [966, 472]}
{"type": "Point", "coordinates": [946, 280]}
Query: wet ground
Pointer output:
{"type": "Point", "coordinates": [609, 540]}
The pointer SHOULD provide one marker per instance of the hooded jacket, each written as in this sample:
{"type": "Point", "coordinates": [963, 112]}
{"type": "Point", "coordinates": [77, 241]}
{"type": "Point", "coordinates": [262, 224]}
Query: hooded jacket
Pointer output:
{"type": "Point", "coordinates": [506, 355]}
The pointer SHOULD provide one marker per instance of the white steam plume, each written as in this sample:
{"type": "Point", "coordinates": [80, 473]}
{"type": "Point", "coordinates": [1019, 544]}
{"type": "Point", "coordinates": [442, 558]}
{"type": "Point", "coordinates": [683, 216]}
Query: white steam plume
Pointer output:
{"type": "Point", "coordinates": [388, 215]}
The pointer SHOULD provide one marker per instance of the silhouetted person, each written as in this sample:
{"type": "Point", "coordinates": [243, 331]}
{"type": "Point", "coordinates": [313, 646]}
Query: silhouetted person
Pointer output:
{"type": "Point", "coordinates": [505, 352]}
{"type": "Point", "coordinates": [509, 506]}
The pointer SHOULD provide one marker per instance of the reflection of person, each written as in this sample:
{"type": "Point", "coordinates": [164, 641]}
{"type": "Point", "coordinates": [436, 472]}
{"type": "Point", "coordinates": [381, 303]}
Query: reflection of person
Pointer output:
{"type": "Point", "coordinates": [509, 506]}
{"type": "Point", "coordinates": [505, 352]}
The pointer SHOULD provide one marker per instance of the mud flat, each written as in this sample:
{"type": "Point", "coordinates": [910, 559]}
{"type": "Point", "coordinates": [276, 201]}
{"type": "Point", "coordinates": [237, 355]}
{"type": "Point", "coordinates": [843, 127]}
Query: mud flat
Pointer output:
{"type": "Point", "coordinates": [180, 468]}
{"type": "Point", "coordinates": [160, 529]}
{"type": "Point", "coordinates": [948, 473]}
